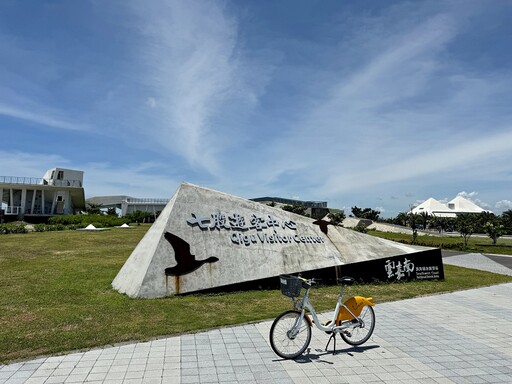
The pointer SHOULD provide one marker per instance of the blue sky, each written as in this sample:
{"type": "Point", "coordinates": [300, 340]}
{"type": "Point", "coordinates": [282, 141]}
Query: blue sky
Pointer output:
{"type": "Point", "coordinates": [377, 104]}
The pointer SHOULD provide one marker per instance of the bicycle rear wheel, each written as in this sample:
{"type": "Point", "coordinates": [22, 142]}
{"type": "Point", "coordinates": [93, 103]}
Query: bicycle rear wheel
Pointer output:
{"type": "Point", "coordinates": [360, 333]}
{"type": "Point", "coordinates": [283, 341]}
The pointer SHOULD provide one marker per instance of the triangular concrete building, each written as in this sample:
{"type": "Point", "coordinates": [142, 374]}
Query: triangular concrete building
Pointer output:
{"type": "Point", "coordinates": [463, 205]}
{"type": "Point", "coordinates": [205, 239]}
{"type": "Point", "coordinates": [456, 206]}
{"type": "Point", "coordinates": [434, 207]}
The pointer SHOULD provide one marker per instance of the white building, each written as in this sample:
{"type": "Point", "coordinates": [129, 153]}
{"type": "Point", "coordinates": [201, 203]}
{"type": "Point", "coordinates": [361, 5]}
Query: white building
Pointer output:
{"type": "Point", "coordinates": [59, 192]}
{"type": "Point", "coordinates": [128, 204]}
{"type": "Point", "coordinates": [456, 206]}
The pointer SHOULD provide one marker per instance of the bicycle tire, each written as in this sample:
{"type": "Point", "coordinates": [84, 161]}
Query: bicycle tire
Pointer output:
{"type": "Point", "coordinates": [282, 344]}
{"type": "Point", "coordinates": [357, 334]}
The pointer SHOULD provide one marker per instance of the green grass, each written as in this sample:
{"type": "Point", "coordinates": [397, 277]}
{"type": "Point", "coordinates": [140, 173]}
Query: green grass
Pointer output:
{"type": "Point", "coordinates": [476, 244]}
{"type": "Point", "coordinates": [56, 295]}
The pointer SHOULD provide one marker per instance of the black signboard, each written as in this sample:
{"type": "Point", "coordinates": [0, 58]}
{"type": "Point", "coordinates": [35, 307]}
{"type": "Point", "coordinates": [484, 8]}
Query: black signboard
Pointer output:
{"type": "Point", "coordinates": [426, 265]}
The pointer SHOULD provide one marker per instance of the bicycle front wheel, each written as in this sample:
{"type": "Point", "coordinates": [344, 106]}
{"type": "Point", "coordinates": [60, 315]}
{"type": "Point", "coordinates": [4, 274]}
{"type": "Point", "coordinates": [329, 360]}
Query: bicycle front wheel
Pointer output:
{"type": "Point", "coordinates": [361, 332]}
{"type": "Point", "coordinates": [286, 341]}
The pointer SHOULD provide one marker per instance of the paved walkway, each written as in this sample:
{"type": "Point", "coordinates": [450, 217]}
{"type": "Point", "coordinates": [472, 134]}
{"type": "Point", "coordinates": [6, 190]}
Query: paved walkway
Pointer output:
{"type": "Point", "coordinates": [462, 337]}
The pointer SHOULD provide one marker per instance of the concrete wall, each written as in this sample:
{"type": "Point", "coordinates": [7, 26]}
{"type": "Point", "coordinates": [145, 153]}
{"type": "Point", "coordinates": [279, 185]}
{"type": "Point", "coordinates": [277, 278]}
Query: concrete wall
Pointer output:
{"type": "Point", "coordinates": [244, 241]}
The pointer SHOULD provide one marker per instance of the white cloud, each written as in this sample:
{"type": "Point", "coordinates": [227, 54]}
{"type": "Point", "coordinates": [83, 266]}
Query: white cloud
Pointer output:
{"type": "Point", "coordinates": [145, 179]}
{"type": "Point", "coordinates": [42, 116]}
{"type": "Point", "coordinates": [22, 164]}
{"type": "Point", "coordinates": [472, 196]}
{"type": "Point", "coordinates": [468, 195]}
{"type": "Point", "coordinates": [503, 205]}
{"type": "Point", "coordinates": [440, 163]}
{"type": "Point", "coordinates": [192, 64]}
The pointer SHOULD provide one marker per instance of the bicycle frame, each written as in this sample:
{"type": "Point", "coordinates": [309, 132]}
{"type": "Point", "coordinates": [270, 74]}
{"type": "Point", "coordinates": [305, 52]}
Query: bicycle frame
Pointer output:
{"type": "Point", "coordinates": [304, 304]}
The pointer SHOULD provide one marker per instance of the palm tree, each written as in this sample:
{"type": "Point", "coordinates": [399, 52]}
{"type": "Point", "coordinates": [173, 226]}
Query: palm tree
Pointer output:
{"type": "Point", "coordinates": [425, 218]}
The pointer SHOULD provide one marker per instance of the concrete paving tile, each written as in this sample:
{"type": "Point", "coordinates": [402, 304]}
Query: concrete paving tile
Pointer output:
{"type": "Point", "coordinates": [155, 373]}
{"type": "Point", "coordinates": [132, 381]}
{"type": "Point", "coordinates": [134, 375]}
{"type": "Point", "coordinates": [190, 379]}
{"type": "Point", "coordinates": [189, 372]}
{"type": "Point", "coordinates": [76, 378]}
{"type": "Point", "coordinates": [35, 380]}
{"type": "Point", "coordinates": [115, 375]}
{"type": "Point", "coordinates": [54, 380]}
{"type": "Point", "coordinates": [152, 380]}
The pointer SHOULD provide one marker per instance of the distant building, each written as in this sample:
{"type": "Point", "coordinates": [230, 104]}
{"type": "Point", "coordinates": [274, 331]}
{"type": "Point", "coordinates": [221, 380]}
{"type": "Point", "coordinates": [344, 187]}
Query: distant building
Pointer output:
{"type": "Point", "coordinates": [451, 209]}
{"type": "Point", "coordinates": [128, 204]}
{"type": "Point", "coordinates": [316, 209]}
{"type": "Point", "coordinates": [59, 192]}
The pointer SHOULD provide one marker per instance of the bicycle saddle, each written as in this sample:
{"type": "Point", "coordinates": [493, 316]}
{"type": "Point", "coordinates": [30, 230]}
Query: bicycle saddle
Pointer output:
{"type": "Point", "coordinates": [346, 280]}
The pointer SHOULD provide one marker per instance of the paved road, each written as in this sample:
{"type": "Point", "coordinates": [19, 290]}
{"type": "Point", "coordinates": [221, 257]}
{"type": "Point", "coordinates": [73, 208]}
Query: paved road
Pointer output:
{"type": "Point", "coordinates": [462, 337]}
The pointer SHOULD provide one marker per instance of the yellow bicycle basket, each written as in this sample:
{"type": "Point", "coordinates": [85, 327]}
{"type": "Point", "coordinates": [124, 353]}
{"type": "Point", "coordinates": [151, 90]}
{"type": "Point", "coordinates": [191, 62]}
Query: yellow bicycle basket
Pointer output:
{"type": "Point", "coordinates": [355, 304]}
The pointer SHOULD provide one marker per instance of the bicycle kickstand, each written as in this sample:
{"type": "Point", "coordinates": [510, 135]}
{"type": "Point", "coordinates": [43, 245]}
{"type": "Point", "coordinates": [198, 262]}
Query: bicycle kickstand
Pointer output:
{"type": "Point", "coordinates": [333, 336]}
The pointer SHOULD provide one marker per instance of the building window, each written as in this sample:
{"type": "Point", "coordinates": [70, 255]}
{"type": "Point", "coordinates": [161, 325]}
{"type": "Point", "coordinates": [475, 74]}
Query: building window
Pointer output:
{"type": "Point", "coordinates": [60, 175]}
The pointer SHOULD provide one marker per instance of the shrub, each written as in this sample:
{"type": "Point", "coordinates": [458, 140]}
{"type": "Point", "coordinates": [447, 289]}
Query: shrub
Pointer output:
{"type": "Point", "coordinates": [66, 219]}
{"type": "Point", "coordinates": [9, 228]}
{"type": "Point", "coordinates": [74, 221]}
{"type": "Point", "coordinates": [40, 227]}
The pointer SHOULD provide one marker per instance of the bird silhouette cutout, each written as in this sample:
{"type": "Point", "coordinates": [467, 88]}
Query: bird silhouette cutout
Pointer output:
{"type": "Point", "coordinates": [322, 224]}
{"type": "Point", "coordinates": [185, 261]}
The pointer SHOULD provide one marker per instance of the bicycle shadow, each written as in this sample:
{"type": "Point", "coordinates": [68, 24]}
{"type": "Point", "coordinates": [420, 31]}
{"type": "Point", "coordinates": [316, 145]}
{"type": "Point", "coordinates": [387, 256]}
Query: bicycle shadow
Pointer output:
{"type": "Point", "coordinates": [310, 357]}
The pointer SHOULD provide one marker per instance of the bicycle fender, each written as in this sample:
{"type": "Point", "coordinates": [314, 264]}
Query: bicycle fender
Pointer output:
{"type": "Point", "coordinates": [307, 318]}
{"type": "Point", "coordinates": [355, 304]}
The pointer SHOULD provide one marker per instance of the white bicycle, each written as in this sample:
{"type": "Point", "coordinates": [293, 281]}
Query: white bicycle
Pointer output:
{"type": "Point", "coordinates": [290, 333]}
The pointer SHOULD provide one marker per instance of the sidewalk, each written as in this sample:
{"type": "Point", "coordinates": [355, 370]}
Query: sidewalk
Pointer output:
{"type": "Point", "coordinates": [462, 337]}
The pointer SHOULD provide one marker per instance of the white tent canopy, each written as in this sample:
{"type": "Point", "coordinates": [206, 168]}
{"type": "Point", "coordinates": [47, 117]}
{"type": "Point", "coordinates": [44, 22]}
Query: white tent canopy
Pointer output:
{"type": "Point", "coordinates": [456, 206]}
{"type": "Point", "coordinates": [460, 204]}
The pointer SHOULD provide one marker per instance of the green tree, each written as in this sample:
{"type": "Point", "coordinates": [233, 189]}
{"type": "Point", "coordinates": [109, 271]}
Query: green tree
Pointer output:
{"type": "Point", "coordinates": [441, 223]}
{"type": "Point", "coordinates": [298, 209]}
{"type": "Point", "coordinates": [138, 217]}
{"type": "Point", "coordinates": [111, 211]}
{"type": "Point", "coordinates": [93, 209]}
{"type": "Point", "coordinates": [336, 217]}
{"type": "Point", "coordinates": [366, 213]}
{"type": "Point", "coordinates": [401, 219]}
{"type": "Point", "coordinates": [494, 230]}
{"type": "Point", "coordinates": [506, 220]}
{"type": "Point", "coordinates": [413, 223]}
{"type": "Point", "coordinates": [357, 212]}
{"type": "Point", "coordinates": [465, 224]}
{"type": "Point", "coordinates": [425, 218]}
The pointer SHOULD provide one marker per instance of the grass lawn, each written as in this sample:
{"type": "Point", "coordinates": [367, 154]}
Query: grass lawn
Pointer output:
{"type": "Point", "coordinates": [476, 244]}
{"type": "Point", "coordinates": [56, 295]}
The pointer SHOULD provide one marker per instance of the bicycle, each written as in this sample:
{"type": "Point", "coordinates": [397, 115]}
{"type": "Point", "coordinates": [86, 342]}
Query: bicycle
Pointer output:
{"type": "Point", "coordinates": [290, 333]}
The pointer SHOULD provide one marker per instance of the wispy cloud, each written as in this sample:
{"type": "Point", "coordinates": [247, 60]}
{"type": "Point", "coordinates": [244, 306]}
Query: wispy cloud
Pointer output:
{"type": "Point", "coordinates": [192, 68]}
{"type": "Point", "coordinates": [40, 117]}
{"type": "Point", "coordinates": [23, 164]}
{"type": "Point", "coordinates": [143, 179]}
{"type": "Point", "coordinates": [146, 179]}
